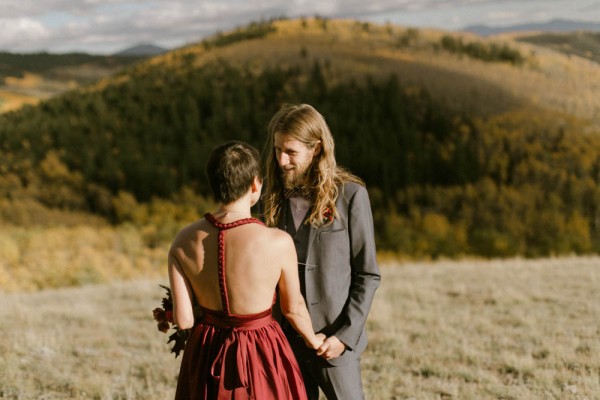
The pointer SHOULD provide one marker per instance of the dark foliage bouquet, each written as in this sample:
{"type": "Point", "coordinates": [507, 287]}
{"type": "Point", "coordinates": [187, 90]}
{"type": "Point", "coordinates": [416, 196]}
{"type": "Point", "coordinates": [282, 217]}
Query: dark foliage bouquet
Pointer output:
{"type": "Point", "coordinates": [164, 319]}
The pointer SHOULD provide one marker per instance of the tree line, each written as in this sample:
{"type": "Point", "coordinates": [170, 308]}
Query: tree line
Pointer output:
{"type": "Point", "coordinates": [490, 52]}
{"type": "Point", "coordinates": [16, 64]}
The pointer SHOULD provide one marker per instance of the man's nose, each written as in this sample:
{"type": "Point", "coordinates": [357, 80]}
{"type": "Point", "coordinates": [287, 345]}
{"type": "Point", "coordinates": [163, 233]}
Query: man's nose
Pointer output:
{"type": "Point", "coordinates": [282, 159]}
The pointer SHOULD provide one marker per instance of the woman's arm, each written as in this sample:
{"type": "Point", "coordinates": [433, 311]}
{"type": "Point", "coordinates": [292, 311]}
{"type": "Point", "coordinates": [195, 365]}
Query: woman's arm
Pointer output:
{"type": "Point", "coordinates": [182, 294]}
{"type": "Point", "coordinates": [292, 303]}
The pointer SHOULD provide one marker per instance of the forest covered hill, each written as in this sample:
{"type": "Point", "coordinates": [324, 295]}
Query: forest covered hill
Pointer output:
{"type": "Point", "coordinates": [468, 145]}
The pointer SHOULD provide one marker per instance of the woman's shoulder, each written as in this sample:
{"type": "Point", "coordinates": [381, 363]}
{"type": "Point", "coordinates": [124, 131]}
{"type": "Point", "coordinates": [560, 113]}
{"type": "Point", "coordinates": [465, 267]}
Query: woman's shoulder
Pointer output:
{"type": "Point", "coordinates": [266, 244]}
{"type": "Point", "coordinates": [272, 237]}
{"type": "Point", "coordinates": [189, 232]}
{"type": "Point", "coordinates": [276, 234]}
{"type": "Point", "coordinates": [192, 229]}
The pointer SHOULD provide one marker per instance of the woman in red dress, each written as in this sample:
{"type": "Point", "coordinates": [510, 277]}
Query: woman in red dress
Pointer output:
{"type": "Point", "coordinates": [232, 264]}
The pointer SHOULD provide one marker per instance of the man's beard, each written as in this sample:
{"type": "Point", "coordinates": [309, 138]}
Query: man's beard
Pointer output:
{"type": "Point", "coordinates": [296, 179]}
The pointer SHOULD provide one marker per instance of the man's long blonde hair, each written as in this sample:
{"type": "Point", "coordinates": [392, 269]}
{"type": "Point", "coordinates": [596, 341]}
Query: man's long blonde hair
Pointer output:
{"type": "Point", "coordinates": [305, 124]}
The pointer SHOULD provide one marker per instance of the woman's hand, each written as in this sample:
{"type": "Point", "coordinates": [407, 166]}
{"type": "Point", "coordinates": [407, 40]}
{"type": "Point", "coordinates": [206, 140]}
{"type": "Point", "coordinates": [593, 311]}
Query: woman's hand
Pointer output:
{"type": "Point", "coordinates": [317, 341]}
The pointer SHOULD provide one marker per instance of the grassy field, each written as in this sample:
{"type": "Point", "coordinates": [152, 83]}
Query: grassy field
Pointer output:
{"type": "Point", "coordinates": [512, 329]}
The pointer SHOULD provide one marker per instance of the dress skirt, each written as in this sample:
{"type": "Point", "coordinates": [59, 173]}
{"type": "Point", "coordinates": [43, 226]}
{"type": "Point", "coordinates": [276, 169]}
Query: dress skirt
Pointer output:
{"type": "Point", "coordinates": [239, 357]}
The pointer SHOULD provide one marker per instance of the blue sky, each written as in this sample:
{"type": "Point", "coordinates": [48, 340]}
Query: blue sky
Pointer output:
{"type": "Point", "coordinates": [107, 26]}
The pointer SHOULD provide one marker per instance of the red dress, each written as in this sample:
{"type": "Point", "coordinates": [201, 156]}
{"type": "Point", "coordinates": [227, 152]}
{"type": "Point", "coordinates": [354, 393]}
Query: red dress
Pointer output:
{"type": "Point", "coordinates": [230, 356]}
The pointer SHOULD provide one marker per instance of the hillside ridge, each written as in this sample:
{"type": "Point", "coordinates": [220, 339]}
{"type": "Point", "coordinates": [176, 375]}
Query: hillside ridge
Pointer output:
{"type": "Point", "coordinates": [418, 57]}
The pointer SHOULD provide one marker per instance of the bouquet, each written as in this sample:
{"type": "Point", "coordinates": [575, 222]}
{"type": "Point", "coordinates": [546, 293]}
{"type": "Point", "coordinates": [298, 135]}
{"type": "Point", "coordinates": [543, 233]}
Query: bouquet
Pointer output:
{"type": "Point", "coordinates": [164, 319]}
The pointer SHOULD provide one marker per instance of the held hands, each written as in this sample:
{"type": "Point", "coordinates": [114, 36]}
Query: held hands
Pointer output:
{"type": "Point", "coordinates": [331, 347]}
{"type": "Point", "coordinates": [317, 341]}
{"type": "Point", "coordinates": [327, 347]}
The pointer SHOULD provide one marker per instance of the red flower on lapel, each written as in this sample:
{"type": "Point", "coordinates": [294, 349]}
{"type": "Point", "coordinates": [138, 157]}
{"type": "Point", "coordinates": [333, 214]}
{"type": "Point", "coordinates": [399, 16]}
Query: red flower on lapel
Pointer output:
{"type": "Point", "coordinates": [327, 216]}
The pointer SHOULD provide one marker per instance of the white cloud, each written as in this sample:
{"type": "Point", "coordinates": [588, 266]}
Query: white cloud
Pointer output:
{"type": "Point", "coordinates": [110, 25]}
{"type": "Point", "coordinates": [501, 16]}
{"type": "Point", "coordinates": [21, 30]}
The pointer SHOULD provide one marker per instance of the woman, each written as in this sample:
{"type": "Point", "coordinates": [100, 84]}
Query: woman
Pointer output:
{"type": "Point", "coordinates": [232, 263]}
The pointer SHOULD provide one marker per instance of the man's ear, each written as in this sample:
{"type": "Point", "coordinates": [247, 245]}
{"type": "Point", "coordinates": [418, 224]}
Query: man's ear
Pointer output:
{"type": "Point", "coordinates": [317, 149]}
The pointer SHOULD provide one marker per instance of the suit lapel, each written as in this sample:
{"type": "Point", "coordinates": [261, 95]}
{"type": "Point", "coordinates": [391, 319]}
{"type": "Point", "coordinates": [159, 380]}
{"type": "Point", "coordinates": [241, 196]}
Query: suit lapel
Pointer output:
{"type": "Point", "coordinates": [283, 225]}
{"type": "Point", "coordinates": [311, 239]}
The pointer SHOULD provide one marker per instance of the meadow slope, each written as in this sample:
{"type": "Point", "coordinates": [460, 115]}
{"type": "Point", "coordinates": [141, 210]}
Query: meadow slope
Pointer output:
{"type": "Point", "coordinates": [512, 329]}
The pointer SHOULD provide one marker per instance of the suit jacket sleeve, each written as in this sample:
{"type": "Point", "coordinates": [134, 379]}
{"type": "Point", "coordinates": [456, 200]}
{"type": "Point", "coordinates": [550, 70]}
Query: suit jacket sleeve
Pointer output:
{"type": "Point", "coordinates": [365, 271]}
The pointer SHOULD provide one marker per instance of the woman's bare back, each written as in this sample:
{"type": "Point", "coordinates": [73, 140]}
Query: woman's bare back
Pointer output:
{"type": "Point", "coordinates": [254, 255]}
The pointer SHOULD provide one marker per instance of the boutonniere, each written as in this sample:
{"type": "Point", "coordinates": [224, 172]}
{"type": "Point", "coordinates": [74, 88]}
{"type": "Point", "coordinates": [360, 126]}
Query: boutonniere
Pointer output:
{"type": "Point", "coordinates": [164, 321]}
{"type": "Point", "coordinates": [327, 216]}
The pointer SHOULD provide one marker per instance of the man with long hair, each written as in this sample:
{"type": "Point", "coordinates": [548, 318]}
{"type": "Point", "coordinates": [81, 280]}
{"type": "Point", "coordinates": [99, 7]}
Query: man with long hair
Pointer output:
{"type": "Point", "coordinates": [326, 210]}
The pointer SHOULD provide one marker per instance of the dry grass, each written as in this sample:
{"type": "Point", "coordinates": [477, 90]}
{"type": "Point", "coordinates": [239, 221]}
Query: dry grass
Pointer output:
{"type": "Point", "coordinates": [30, 89]}
{"type": "Point", "coordinates": [28, 80]}
{"type": "Point", "coordinates": [510, 329]}
{"type": "Point", "coordinates": [487, 330]}
{"type": "Point", "coordinates": [10, 101]}
{"type": "Point", "coordinates": [38, 258]}
{"type": "Point", "coordinates": [96, 342]}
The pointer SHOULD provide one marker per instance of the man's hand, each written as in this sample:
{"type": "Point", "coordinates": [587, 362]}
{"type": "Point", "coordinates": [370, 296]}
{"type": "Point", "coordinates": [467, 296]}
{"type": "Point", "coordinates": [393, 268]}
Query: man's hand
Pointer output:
{"type": "Point", "coordinates": [332, 347]}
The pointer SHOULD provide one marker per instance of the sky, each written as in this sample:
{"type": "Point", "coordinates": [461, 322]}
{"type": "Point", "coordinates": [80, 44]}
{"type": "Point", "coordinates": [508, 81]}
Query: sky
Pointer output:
{"type": "Point", "coordinates": [109, 26]}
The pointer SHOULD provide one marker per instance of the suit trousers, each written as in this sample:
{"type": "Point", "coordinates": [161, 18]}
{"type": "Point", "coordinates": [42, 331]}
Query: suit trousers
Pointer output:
{"type": "Point", "coordinates": [343, 382]}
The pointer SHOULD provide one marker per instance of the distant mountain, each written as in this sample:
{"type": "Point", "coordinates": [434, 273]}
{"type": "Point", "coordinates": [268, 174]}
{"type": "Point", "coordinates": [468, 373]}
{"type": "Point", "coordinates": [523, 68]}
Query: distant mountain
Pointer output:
{"type": "Point", "coordinates": [145, 49]}
{"type": "Point", "coordinates": [583, 44]}
{"type": "Point", "coordinates": [556, 25]}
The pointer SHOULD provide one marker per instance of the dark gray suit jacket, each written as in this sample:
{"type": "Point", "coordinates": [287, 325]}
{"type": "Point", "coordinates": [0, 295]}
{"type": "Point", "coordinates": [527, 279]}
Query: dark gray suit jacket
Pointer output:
{"type": "Point", "coordinates": [341, 273]}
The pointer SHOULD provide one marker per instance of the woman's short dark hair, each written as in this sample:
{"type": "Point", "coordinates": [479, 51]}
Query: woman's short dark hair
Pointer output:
{"type": "Point", "coordinates": [231, 169]}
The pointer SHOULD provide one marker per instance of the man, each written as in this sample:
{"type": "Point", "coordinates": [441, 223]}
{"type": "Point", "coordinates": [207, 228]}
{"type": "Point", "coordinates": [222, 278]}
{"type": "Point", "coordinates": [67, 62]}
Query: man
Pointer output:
{"type": "Point", "coordinates": [326, 210]}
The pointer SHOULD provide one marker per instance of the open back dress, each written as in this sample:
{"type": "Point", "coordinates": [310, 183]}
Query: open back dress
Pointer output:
{"type": "Point", "coordinates": [232, 356]}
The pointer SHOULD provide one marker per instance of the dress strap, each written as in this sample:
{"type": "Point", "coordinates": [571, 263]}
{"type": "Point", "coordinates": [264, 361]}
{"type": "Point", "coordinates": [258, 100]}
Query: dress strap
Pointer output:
{"type": "Point", "coordinates": [219, 225]}
{"type": "Point", "coordinates": [221, 243]}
